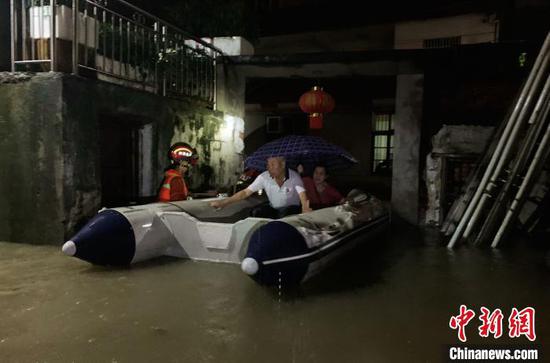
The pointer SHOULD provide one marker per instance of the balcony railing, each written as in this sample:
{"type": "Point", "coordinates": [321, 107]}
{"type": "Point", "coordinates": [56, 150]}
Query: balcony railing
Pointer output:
{"type": "Point", "coordinates": [114, 41]}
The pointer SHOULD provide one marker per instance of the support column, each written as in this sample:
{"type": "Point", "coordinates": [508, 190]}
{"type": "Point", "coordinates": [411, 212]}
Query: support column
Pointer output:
{"type": "Point", "coordinates": [406, 157]}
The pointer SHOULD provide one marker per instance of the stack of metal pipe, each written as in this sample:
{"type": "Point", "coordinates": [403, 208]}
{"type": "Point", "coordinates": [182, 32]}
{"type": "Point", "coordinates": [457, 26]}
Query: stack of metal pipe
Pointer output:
{"type": "Point", "coordinates": [510, 167]}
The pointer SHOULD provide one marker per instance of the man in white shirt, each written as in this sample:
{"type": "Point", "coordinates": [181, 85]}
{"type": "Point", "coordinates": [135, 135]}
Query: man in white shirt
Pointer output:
{"type": "Point", "coordinates": [284, 189]}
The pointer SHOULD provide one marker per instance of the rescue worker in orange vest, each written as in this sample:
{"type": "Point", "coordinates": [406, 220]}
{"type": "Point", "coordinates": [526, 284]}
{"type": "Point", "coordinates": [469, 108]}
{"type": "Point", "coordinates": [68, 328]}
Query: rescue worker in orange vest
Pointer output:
{"type": "Point", "coordinates": [174, 187]}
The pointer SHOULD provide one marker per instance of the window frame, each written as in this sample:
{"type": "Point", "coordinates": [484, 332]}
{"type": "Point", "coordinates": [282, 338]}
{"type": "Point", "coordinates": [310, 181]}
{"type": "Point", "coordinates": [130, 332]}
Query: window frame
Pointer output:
{"type": "Point", "coordinates": [388, 133]}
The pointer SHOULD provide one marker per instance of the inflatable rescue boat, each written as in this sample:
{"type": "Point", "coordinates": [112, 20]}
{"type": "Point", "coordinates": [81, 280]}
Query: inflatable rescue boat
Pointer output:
{"type": "Point", "coordinates": [293, 248]}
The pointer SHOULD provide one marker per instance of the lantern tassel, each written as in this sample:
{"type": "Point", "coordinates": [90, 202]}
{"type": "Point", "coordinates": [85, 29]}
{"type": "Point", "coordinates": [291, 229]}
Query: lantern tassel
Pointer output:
{"type": "Point", "coordinates": [315, 120]}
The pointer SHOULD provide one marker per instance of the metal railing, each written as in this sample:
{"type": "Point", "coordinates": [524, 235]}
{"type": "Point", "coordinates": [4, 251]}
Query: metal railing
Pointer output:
{"type": "Point", "coordinates": [114, 41]}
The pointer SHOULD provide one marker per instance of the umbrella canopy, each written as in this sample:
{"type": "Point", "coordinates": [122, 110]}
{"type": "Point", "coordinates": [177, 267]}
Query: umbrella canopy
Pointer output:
{"type": "Point", "coordinates": [306, 150]}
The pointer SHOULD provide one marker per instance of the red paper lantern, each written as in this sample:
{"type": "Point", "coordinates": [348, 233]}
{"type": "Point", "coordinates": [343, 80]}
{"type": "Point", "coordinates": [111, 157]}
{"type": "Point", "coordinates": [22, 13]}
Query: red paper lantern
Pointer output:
{"type": "Point", "coordinates": [316, 102]}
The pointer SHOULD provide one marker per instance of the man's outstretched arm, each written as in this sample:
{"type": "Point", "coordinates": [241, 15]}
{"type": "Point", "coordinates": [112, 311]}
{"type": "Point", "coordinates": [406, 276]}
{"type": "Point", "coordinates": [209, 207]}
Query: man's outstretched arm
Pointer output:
{"type": "Point", "coordinates": [243, 194]}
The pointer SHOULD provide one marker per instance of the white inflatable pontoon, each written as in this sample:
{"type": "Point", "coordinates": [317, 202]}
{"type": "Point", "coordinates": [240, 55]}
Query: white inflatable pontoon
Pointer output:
{"type": "Point", "coordinates": [293, 248]}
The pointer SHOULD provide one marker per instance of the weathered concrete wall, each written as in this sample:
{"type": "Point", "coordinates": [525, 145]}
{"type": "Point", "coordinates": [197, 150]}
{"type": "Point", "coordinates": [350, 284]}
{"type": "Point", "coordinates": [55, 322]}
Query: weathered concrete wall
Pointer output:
{"type": "Point", "coordinates": [406, 162]}
{"type": "Point", "coordinates": [255, 119]}
{"type": "Point", "coordinates": [471, 28]}
{"type": "Point", "coordinates": [86, 104]}
{"type": "Point", "coordinates": [50, 154]}
{"type": "Point", "coordinates": [31, 158]}
{"type": "Point", "coordinates": [218, 138]}
{"type": "Point", "coordinates": [378, 36]}
{"type": "Point", "coordinates": [5, 48]}
{"type": "Point", "coordinates": [224, 151]}
{"type": "Point", "coordinates": [321, 70]}
{"type": "Point", "coordinates": [230, 89]}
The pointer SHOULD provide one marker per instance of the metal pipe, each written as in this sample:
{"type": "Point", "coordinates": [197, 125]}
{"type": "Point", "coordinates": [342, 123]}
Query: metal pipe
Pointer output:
{"type": "Point", "coordinates": [96, 35]}
{"type": "Point", "coordinates": [193, 74]}
{"type": "Point", "coordinates": [85, 33]}
{"type": "Point", "coordinates": [25, 32]}
{"type": "Point", "coordinates": [53, 49]}
{"type": "Point", "coordinates": [41, 36]}
{"type": "Point", "coordinates": [185, 70]}
{"type": "Point", "coordinates": [202, 78]}
{"type": "Point", "coordinates": [461, 203]}
{"type": "Point", "coordinates": [145, 58]}
{"type": "Point", "coordinates": [135, 63]}
{"type": "Point", "coordinates": [33, 61]}
{"type": "Point", "coordinates": [33, 45]}
{"type": "Point", "coordinates": [207, 79]}
{"type": "Point", "coordinates": [518, 165]}
{"type": "Point", "coordinates": [103, 22]}
{"type": "Point", "coordinates": [121, 47]}
{"type": "Point", "coordinates": [507, 147]}
{"type": "Point", "coordinates": [76, 39]}
{"type": "Point", "coordinates": [534, 169]}
{"type": "Point", "coordinates": [155, 57]}
{"type": "Point", "coordinates": [181, 57]}
{"type": "Point", "coordinates": [13, 37]}
{"type": "Point", "coordinates": [205, 95]}
{"type": "Point", "coordinates": [143, 63]}
{"type": "Point", "coordinates": [163, 40]}
{"type": "Point", "coordinates": [148, 57]}
{"type": "Point", "coordinates": [42, 47]}
{"type": "Point", "coordinates": [124, 63]}
{"type": "Point", "coordinates": [215, 84]}
{"type": "Point", "coordinates": [130, 51]}
{"type": "Point", "coordinates": [113, 34]}
{"type": "Point", "coordinates": [197, 76]}
{"type": "Point", "coordinates": [173, 66]}
{"type": "Point", "coordinates": [210, 80]}
{"type": "Point", "coordinates": [106, 73]}
{"type": "Point", "coordinates": [503, 140]}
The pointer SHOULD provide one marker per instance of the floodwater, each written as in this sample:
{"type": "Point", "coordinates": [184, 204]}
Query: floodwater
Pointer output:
{"type": "Point", "coordinates": [390, 301]}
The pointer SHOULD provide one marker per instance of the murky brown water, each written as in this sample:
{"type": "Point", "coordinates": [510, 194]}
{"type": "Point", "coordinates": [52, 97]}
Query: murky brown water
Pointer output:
{"type": "Point", "coordinates": [389, 302]}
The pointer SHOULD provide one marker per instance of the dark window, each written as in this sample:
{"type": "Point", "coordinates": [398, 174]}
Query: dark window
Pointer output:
{"type": "Point", "coordinates": [382, 130]}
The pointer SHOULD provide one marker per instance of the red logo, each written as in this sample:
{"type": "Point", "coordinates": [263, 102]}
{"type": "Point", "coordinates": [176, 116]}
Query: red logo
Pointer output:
{"type": "Point", "coordinates": [519, 323]}
{"type": "Point", "coordinates": [522, 323]}
{"type": "Point", "coordinates": [491, 323]}
{"type": "Point", "coordinates": [461, 320]}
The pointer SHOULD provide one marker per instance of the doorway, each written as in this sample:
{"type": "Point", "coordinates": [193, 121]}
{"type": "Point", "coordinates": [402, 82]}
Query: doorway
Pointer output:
{"type": "Point", "coordinates": [121, 149]}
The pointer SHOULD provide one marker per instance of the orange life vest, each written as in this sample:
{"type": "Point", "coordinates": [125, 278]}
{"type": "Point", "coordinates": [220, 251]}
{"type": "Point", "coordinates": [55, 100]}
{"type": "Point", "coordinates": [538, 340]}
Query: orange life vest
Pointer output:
{"type": "Point", "coordinates": [173, 187]}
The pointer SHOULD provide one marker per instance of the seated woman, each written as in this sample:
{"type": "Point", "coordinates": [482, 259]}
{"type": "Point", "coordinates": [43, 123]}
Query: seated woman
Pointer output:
{"type": "Point", "coordinates": [319, 192]}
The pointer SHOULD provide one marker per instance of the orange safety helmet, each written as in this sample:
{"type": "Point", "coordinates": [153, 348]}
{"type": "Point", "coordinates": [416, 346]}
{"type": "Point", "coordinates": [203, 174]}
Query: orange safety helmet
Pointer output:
{"type": "Point", "coordinates": [183, 151]}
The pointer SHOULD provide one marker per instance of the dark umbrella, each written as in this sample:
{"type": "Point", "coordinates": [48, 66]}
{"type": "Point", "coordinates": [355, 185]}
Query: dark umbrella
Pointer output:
{"type": "Point", "coordinates": [306, 150]}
